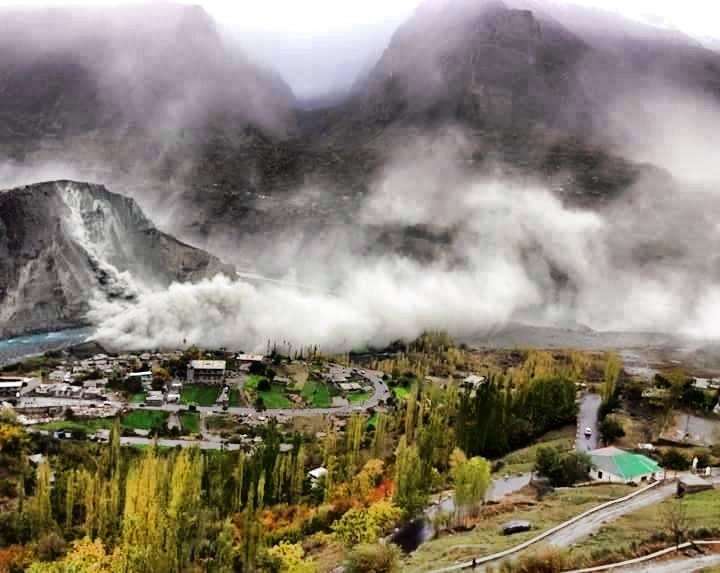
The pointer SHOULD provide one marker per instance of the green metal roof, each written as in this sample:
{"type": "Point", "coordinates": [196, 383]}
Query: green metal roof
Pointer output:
{"type": "Point", "coordinates": [623, 464]}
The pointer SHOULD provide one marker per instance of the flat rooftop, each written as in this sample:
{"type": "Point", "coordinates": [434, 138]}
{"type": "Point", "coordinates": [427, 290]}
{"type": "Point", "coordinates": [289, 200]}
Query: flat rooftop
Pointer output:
{"type": "Point", "coordinates": [207, 365]}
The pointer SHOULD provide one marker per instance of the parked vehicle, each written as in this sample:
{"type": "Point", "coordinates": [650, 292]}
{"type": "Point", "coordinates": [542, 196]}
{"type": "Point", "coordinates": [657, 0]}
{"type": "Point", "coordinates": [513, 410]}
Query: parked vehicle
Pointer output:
{"type": "Point", "coordinates": [588, 432]}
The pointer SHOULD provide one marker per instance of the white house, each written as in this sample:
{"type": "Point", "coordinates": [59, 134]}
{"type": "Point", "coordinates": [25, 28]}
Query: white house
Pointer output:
{"type": "Point", "coordinates": [618, 466]}
{"type": "Point", "coordinates": [316, 474]}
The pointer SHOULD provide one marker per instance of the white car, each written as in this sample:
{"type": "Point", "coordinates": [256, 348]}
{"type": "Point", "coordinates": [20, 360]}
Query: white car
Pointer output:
{"type": "Point", "coordinates": [588, 432]}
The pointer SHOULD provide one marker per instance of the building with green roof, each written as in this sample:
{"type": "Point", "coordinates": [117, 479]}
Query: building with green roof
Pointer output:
{"type": "Point", "coordinates": [618, 466]}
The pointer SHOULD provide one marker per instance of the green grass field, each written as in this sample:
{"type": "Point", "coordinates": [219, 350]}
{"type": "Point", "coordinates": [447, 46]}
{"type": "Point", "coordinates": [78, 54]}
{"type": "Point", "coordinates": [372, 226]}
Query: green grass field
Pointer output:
{"type": "Point", "coordinates": [199, 394]}
{"type": "Point", "coordinates": [275, 397]}
{"type": "Point", "coordinates": [316, 394]}
{"type": "Point", "coordinates": [487, 538]}
{"type": "Point", "coordinates": [145, 419]}
{"type": "Point", "coordinates": [92, 425]}
{"type": "Point", "coordinates": [190, 422]}
{"type": "Point", "coordinates": [521, 461]}
{"type": "Point", "coordinates": [137, 398]}
{"type": "Point", "coordinates": [358, 397]}
{"type": "Point", "coordinates": [234, 400]}
{"type": "Point", "coordinates": [252, 381]}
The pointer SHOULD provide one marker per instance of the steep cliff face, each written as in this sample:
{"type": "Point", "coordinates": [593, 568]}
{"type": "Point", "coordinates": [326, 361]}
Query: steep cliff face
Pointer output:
{"type": "Point", "coordinates": [63, 242]}
{"type": "Point", "coordinates": [480, 62]}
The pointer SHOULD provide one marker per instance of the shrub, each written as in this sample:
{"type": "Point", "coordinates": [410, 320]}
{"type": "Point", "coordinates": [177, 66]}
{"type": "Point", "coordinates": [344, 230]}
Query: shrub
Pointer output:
{"type": "Point", "coordinates": [562, 469]}
{"type": "Point", "coordinates": [611, 430]}
{"type": "Point", "coordinates": [373, 558]}
{"type": "Point", "coordinates": [675, 460]}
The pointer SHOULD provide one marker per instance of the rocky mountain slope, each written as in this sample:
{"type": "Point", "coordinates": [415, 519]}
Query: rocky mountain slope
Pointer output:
{"type": "Point", "coordinates": [64, 242]}
{"type": "Point", "coordinates": [155, 105]}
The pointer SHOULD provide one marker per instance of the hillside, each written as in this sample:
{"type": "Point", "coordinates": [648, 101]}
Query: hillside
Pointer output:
{"type": "Point", "coordinates": [63, 243]}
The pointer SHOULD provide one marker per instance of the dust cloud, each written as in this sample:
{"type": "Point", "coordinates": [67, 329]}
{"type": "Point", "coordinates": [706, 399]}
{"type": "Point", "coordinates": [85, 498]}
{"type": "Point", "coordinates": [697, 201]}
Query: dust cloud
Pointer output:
{"type": "Point", "coordinates": [516, 251]}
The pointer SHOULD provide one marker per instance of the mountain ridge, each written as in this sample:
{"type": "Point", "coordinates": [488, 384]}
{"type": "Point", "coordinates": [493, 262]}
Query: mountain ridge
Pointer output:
{"type": "Point", "coordinates": [64, 242]}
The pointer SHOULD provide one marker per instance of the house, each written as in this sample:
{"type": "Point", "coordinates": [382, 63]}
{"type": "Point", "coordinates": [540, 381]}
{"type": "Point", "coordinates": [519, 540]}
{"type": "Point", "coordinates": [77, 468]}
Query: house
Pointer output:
{"type": "Point", "coordinates": [614, 465]}
{"type": "Point", "coordinates": [249, 358]}
{"type": "Point", "coordinates": [59, 376]}
{"type": "Point", "coordinates": [10, 388]}
{"type": "Point", "coordinates": [154, 398]}
{"type": "Point", "coordinates": [145, 377]}
{"type": "Point", "coordinates": [206, 371]}
{"type": "Point", "coordinates": [316, 475]}
{"type": "Point", "coordinates": [350, 387]}
{"type": "Point", "coordinates": [473, 381]}
{"type": "Point", "coordinates": [706, 384]}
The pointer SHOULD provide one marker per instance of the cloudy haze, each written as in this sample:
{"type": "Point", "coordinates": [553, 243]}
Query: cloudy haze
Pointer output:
{"type": "Point", "coordinates": [321, 46]}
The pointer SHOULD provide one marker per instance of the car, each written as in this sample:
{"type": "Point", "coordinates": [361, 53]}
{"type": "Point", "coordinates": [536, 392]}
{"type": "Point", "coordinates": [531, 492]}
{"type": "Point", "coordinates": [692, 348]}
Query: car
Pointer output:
{"type": "Point", "coordinates": [588, 432]}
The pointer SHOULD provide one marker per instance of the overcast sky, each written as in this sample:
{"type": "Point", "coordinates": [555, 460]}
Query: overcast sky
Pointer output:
{"type": "Point", "coordinates": [320, 44]}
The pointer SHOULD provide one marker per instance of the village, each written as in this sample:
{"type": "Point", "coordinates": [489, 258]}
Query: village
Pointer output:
{"type": "Point", "coordinates": [79, 397]}
{"type": "Point", "coordinates": [630, 435]}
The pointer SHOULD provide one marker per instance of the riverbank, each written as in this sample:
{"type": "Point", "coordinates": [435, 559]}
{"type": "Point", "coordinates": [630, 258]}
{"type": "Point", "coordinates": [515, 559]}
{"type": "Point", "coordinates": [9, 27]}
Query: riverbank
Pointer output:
{"type": "Point", "coordinates": [21, 347]}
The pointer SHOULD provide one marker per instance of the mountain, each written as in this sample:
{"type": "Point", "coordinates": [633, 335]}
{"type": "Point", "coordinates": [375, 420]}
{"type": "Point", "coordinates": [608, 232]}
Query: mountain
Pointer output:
{"type": "Point", "coordinates": [64, 242]}
{"type": "Point", "coordinates": [152, 101]}
{"type": "Point", "coordinates": [156, 69]}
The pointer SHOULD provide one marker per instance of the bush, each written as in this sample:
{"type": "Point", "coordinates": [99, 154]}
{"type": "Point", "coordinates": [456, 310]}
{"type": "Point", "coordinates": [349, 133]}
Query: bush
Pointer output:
{"type": "Point", "coordinates": [675, 460]}
{"type": "Point", "coordinates": [546, 561]}
{"type": "Point", "coordinates": [611, 430]}
{"type": "Point", "coordinates": [50, 547]}
{"type": "Point", "coordinates": [373, 558]}
{"type": "Point", "coordinates": [562, 469]}
{"type": "Point", "coordinates": [264, 385]}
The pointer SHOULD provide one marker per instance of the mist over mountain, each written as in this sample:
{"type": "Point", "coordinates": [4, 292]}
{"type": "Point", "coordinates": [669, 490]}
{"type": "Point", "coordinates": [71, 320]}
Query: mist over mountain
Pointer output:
{"type": "Point", "coordinates": [429, 182]}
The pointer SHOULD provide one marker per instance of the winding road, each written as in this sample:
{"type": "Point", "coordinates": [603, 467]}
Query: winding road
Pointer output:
{"type": "Point", "coordinates": [588, 418]}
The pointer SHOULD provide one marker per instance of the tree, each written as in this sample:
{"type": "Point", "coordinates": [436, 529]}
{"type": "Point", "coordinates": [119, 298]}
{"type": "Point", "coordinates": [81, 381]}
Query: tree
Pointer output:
{"type": "Point", "coordinates": [611, 430]}
{"type": "Point", "coordinates": [366, 525]}
{"type": "Point", "coordinates": [674, 516]}
{"type": "Point", "coordinates": [411, 491]}
{"type": "Point", "coordinates": [86, 557]}
{"type": "Point", "coordinates": [373, 558]}
{"type": "Point", "coordinates": [675, 460]}
{"type": "Point", "coordinates": [562, 469]}
{"type": "Point", "coordinates": [224, 558]}
{"type": "Point", "coordinates": [40, 505]}
{"type": "Point", "coordinates": [264, 385]}
{"type": "Point", "coordinates": [471, 478]}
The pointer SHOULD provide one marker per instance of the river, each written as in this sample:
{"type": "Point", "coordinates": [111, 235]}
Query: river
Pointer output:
{"type": "Point", "coordinates": [14, 349]}
{"type": "Point", "coordinates": [414, 534]}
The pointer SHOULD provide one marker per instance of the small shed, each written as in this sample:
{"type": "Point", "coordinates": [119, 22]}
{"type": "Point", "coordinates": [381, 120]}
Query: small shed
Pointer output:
{"type": "Point", "coordinates": [692, 483]}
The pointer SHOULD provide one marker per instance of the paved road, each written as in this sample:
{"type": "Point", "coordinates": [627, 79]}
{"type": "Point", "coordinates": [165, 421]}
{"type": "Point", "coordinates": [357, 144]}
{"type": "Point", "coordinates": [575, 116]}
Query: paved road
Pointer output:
{"type": "Point", "coordinates": [202, 444]}
{"type": "Point", "coordinates": [591, 523]}
{"type": "Point", "coordinates": [684, 565]}
{"type": "Point", "coordinates": [588, 418]}
{"type": "Point", "coordinates": [581, 528]}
